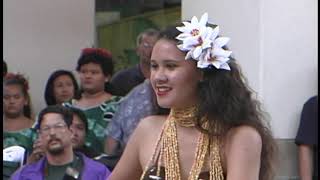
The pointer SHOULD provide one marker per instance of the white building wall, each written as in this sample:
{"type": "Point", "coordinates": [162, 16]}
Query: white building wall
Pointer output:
{"type": "Point", "coordinates": [40, 36]}
{"type": "Point", "coordinates": [290, 60]}
{"type": "Point", "coordinates": [276, 43]}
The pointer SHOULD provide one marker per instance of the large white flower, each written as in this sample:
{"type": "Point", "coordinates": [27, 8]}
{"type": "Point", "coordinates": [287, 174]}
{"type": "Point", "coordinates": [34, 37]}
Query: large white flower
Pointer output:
{"type": "Point", "coordinates": [216, 55]}
{"type": "Point", "coordinates": [195, 36]}
{"type": "Point", "coordinates": [197, 45]}
{"type": "Point", "coordinates": [219, 56]}
{"type": "Point", "coordinates": [203, 43]}
{"type": "Point", "coordinates": [193, 28]}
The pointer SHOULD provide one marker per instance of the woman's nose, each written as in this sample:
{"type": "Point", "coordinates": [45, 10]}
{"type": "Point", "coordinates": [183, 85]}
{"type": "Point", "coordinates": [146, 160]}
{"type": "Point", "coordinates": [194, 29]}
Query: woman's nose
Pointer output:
{"type": "Point", "coordinates": [159, 76]}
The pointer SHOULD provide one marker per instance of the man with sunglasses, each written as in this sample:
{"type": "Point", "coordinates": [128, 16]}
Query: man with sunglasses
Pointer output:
{"type": "Point", "coordinates": [60, 161]}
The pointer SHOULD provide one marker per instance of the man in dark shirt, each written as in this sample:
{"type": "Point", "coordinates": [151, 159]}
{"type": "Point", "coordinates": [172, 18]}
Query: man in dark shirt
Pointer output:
{"type": "Point", "coordinates": [125, 80]}
{"type": "Point", "coordinates": [307, 140]}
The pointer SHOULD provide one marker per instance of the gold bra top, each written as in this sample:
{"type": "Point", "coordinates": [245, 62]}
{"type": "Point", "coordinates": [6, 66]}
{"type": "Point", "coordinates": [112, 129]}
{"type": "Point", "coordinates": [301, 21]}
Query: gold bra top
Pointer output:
{"type": "Point", "coordinates": [164, 163]}
{"type": "Point", "coordinates": [151, 174]}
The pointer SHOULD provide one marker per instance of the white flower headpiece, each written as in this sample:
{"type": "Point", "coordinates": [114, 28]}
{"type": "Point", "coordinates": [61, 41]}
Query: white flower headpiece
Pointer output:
{"type": "Point", "coordinates": [203, 44]}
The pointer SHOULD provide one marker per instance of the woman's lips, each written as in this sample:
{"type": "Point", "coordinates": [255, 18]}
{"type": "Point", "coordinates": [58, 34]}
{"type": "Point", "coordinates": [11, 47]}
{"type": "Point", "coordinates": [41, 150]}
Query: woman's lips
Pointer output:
{"type": "Point", "coordinates": [66, 96]}
{"type": "Point", "coordinates": [162, 91]}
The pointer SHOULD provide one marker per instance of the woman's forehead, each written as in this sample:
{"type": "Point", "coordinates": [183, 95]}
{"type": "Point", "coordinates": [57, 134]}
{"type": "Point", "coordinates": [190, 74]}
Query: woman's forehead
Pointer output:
{"type": "Point", "coordinates": [166, 43]}
{"type": "Point", "coordinates": [12, 88]}
{"type": "Point", "coordinates": [166, 49]}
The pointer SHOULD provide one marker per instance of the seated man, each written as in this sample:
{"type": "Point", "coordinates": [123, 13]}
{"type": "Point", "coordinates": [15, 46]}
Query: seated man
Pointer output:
{"type": "Point", "coordinates": [60, 161]}
{"type": "Point", "coordinates": [79, 128]}
{"type": "Point", "coordinates": [125, 80]}
{"type": "Point", "coordinates": [139, 103]}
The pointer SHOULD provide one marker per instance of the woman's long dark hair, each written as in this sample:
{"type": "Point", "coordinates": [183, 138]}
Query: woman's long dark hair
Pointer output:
{"type": "Point", "coordinates": [226, 101]}
{"type": "Point", "coordinates": [49, 89]}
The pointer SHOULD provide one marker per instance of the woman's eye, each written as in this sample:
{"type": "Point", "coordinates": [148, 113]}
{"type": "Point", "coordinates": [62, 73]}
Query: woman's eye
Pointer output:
{"type": "Point", "coordinates": [95, 72]}
{"type": "Point", "coordinates": [171, 66]}
{"type": "Point", "coordinates": [83, 71]}
{"type": "Point", "coordinates": [153, 66]}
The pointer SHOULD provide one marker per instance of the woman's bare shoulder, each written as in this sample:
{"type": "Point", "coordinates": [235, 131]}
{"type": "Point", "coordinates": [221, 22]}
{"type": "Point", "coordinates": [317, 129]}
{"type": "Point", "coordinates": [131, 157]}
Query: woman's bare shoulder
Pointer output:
{"type": "Point", "coordinates": [243, 140]}
{"type": "Point", "coordinates": [244, 135]}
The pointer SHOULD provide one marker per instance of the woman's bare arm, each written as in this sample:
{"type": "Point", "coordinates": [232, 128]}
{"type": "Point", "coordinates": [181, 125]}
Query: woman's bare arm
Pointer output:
{"type": "Point", "coordinates": [243, 153]}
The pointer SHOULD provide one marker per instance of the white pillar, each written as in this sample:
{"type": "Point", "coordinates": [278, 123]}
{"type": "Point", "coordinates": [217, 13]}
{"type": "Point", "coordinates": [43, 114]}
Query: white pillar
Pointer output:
{"type": "Point", "coordinates": [40, 36]}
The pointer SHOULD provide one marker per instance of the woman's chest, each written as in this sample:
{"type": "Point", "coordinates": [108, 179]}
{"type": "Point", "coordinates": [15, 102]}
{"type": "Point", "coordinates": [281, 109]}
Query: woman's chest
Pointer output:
{"type": "Point", "coordinates": [151, 154]}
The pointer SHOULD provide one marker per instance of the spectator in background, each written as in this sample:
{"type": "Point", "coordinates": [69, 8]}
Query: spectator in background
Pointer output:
{"type": "Point", "coordinates": [18, 134]}
{"type": "Point", "coordinates": [4, 68]}
{"type": "Point", "coordinates": [95, 68]}
{"type": "Point", "coordinates": [17, 122]}
{"type": "Point", "coordinates": [125, 80]}
{"type": "Point", "coordinates": [139, 103]}
{"type": "Point", "coordinates": [60, 161]}
{"type": "Point", "coordinates": [307, 140]}
{"type": "Point", "coordinates": [79, 128]}
{"type": "Point", "coordinates": [61, 87]}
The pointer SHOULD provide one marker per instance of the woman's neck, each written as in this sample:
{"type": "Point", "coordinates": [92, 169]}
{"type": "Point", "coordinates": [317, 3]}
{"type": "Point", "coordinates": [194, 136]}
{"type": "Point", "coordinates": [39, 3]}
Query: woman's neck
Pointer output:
{"type": "Point", "coordinates": [93, 95]}
{"type": "Point", "coordinates": [185, 117]}
{"type": "Point", "coordinates": [90, 99]}
{"type": "Point", "coordinates": [16, 123]}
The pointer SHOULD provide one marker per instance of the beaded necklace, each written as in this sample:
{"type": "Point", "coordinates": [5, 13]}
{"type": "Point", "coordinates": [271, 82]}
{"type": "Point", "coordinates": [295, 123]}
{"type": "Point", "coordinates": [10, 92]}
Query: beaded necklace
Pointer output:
{"type": "Point", "coordinates": [168, 153]}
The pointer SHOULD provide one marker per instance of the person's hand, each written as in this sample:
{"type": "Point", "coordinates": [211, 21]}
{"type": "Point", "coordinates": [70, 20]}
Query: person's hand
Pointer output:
{"type": "Point", "coordinates": [37, 153]}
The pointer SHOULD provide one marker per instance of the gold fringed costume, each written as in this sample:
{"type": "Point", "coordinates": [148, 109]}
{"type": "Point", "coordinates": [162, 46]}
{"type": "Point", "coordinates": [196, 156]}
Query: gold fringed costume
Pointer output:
{"type": "Point", "coordinates": [166, 153]}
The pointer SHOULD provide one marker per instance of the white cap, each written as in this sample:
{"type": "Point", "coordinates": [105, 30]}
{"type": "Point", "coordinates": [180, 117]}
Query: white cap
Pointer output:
{"type": "Point", "coordinates": [14, 154]}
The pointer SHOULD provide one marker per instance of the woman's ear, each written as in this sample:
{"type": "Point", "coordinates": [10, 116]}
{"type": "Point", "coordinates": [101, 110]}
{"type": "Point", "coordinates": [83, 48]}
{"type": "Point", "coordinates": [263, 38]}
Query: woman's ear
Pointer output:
{"type": "Point", "coordinates": [26, 101]}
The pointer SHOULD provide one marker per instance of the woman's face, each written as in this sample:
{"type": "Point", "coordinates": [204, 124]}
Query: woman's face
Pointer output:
{"type": "Point", "coordinates": [63, 89]}
{"type": "Point", "coordinates": [173, 78]}
{"type": "Point", "coordinates": [13, 100]}
{"type": "Point", "coordinates": [92, 78]}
